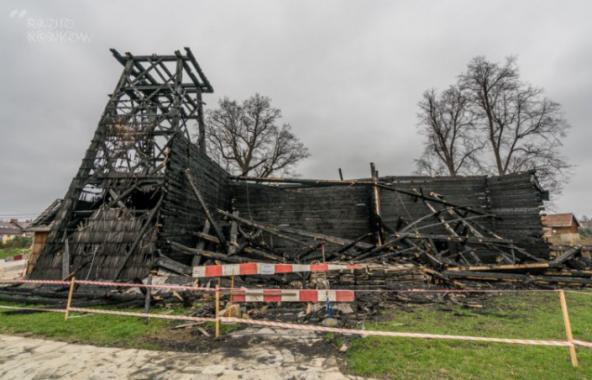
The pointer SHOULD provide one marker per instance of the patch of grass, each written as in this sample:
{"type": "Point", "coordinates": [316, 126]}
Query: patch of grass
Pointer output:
{"type": "Point", "coordinates": [13, 251]}
{"type": "Point", "coordinates": [102, 330]}
{"type": "Point", "coordinates": [536, 315]}
{"type": "Point", "coordinates": [107, 330]}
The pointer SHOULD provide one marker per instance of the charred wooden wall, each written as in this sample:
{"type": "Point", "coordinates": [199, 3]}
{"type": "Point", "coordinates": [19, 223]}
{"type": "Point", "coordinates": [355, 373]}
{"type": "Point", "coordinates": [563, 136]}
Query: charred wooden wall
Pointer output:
{"type": "Point", "coordinates": [344, 211]}
{"type": "Point", "coordinates": [181, 213]}
{"type": "Point", "coordinates": [515, 198]}
{"type": "Point", "coordinates": [336, 210]}
{"type": "Point", "coordinates": [466, 191]}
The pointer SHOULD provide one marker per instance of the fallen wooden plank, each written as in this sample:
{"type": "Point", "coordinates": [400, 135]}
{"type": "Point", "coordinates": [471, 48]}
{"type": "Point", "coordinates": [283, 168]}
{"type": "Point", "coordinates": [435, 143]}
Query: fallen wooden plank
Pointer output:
{"type": "Point", "coordinates": [266, 228]}
{"type": "Point", "coordinates": [205, 209]}
{"type": "Point", "coordinates": [565, 256]}
{"type": "Point", "coordinates": [281, 231]}
{"type": "Point", "coordinates": [209, 254]}
{"type": "Point", "coordinates": [172, 265]}
{"type": "Point", "coordinates": [500, 267]}
{"type": "Point", "coordinates": [515, 277]}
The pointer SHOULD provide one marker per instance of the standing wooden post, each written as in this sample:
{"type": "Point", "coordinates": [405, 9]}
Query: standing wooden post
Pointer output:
{"type": "Point", "coordinates": [66, 258]}
{"type": "Point", "coordinates": [201, 244]}
{"type": "Point", "coordinates": [148, 298]}
{"type": "Point", "coordinates": [572, 347]}
{"type": "Point", "coordinates": [233, 243]}
{"type": "Point", "coordinates": [70, 295]}
{"type": "Point", "coordinates": [217, 311]}
{"type": "Point", "coordinates": [376, 205]}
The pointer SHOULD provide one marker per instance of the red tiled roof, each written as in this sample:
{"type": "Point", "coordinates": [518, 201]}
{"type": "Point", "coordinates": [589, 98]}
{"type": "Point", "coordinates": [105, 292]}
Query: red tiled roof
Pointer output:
{"type": "Point", "coordinates": [560, 220]}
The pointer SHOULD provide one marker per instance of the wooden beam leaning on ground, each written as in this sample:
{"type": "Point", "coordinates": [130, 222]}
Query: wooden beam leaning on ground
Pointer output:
{"type": "Point", "coordinates": [248, 250]}
{"type": "Point", "coordinates": [565, 256]}
{"type": "Point", "coordinates": [499, 267]}
{"type": "Point", "coordinates": [205, 209]}
{"type": "Point", "coordinates": [281, 231]}
{"type": "Point", "coordinates": [514, 277]}
{"type": "Point", "coordinates": [172, 265]}
{"type": "Point", "coordinates": [209, 254]}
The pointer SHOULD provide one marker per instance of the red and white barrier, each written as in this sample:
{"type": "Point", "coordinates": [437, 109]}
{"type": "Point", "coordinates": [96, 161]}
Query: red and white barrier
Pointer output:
{"type": "Point", "coordinates": [291, 295]}
{"type": "Point", "coordinates": [249, 269]}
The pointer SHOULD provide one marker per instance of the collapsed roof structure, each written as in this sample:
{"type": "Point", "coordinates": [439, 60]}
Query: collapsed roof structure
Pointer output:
{"type": "Point", "coordinates": [147, 197]}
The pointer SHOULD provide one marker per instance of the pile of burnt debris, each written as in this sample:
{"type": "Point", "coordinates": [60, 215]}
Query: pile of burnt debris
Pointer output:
{"type": "Point", "coordinates": [465, 253]}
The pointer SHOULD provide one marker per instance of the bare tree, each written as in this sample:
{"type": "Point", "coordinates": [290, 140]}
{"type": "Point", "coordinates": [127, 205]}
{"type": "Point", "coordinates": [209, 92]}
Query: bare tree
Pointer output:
{"type": "Point", "coordinates": [448, 123]}
{"type": "Point", "coordinates": [248, 140]}
{"type": "Point", "coordinates": [523, 128]}
{"type": "Point", "coordinates": [491, 113]}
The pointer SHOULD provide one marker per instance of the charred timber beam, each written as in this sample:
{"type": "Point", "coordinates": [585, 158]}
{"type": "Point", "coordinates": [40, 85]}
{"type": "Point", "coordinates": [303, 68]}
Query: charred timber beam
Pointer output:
{"type": "Point", "coordinates": [273, 230]}
{"type": "Point", "coordinates": [201, 244]}
{"type": "Point", "coordinates": [288, 230]}
{"type": "Point", "coordinates": [207, 86]}
{"type": "Point", "coordinates": [500, 267]}
{"type": "Point", "coordinates": [354, 242]}
{"type": "Point", "coordinates": [172, 265]}
{"type": "Point", "coordinates": [416, 222]}
{"type": "Point", "coordinates": [205, 209]}
{"type": "Point", "coordinates": [233, 244]}
{"type": "Point", "coordinates": [515, 277]}
{"type": "Point", "coordinates": [209, 254]}
{"type": "Point", "coordinates": [249, 250]}
{"type": "Point", "coordinates": [375, 209]}
{"type": "Point", "coordinates": [440, 219]}
{"type": "Point", "coordinates": [565, 256]}
{"type": "Point", "coordinates": [267, 255]}
{"type": "Point", "coordinates": [468, 239]}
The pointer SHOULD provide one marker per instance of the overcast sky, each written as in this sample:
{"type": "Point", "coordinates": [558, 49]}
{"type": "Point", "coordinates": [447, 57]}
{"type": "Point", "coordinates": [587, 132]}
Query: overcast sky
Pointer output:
{"type": "Point", "coordinates": [346, 74]}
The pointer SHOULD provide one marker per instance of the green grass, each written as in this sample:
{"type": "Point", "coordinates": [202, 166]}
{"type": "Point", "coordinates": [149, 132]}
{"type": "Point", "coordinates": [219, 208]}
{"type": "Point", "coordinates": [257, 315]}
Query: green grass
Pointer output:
{"type": "Point", "coordinates": [102, 330]}
{"type": "Point", "coordinates": [12, 251]}
{"type": "Point", "coordinates": [535, 315]}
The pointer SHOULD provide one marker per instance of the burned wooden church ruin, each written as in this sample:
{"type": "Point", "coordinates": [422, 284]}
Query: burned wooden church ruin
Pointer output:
{"type": "Point", "coordinates": [147, 198]}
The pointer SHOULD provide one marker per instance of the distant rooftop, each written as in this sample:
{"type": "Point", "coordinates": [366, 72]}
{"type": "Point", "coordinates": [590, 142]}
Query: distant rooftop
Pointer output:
{"type": "Point", "coordinates": [560, 220]}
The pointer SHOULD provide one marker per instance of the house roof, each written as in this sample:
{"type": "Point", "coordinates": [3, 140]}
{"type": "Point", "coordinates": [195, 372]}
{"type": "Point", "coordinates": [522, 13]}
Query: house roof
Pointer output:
{"type": "Point", "coordinates": [9, 228]}
{"type": "Point", "coordinates": [46, 217]}
{"type": "Point", "coordinates": [560, 220]}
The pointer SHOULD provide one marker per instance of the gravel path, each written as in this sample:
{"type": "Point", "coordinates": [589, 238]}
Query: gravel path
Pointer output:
{"type": "Point", "coordinates": [28, 358]}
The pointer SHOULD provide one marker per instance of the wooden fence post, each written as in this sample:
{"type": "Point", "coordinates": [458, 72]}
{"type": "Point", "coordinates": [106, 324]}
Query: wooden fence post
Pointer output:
{"type": "Point", "coordinates": [70, 295]}
{"type": "Point", "coordinates": [572, 347]}
{"type": "Point", "coordinates": [148, 298]}
{"type": "Point", "coordinates": [217, 311]}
